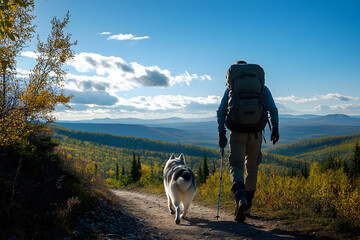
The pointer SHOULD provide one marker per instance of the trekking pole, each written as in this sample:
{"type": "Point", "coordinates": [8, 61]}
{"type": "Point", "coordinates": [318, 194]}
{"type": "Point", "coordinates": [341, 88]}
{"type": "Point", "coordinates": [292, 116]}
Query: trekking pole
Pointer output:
{"type": "Point", "coordinates": [221, 170]}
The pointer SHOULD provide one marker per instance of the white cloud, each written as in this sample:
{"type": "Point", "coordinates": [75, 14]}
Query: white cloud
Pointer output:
{"type": "Point", "coordinates": [120, 75]}
{"type": "Point", "coordinates": [22, 73]}
{"type": "Point", "coordinates": [105, 33]}
{"type": "Point", "coordinates": [167, 102]}
{"type": "Point", "coordinates": [122, 37]}
{"type": "Point", "coordinates": [350, 109]}
{"type": "Point", "coordinates": [321, 108]}
{"type": "Point", "coordinates": [29, 54]}
{"type": "Point", "coordinates": [329, 96]}
{"type": "Point", "coordinates": [337, 96]}
{"type": "Point", "coordinates": [295, 99]}
{"type": "Point", "coordinates": [151, 107]}
{"type": "Point", "coordinates": [205, 77]}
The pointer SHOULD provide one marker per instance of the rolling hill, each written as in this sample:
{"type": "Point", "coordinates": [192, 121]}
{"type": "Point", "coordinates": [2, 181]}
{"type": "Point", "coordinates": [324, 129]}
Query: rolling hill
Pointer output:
{"type": "Point", "coordinates": [318, 149]}
{"type": "Point", "coordinates": [200, 134]}
{"type": "Point", "coordinates": [106, 150]}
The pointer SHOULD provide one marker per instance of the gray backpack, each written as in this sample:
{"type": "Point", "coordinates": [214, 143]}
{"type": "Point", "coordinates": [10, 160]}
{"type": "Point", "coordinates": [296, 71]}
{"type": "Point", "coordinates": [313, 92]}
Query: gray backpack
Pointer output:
{"type": "Point", "coordinates": [246, 111]}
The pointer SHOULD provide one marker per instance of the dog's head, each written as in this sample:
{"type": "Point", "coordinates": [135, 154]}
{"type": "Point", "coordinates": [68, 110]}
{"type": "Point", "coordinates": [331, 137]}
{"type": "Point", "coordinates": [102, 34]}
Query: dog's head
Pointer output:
{"type": "Point", "coordinates": [181, 158]}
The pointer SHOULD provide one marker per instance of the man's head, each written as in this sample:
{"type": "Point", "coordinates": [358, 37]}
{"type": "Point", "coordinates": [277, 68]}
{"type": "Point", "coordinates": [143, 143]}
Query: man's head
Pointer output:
{"type": "Point", "coordinates": [241, 62]}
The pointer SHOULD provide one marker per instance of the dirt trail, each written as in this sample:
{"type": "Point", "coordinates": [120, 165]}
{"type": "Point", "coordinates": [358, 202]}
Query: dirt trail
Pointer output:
{"type": "Point", "coordinates": [200, 222]}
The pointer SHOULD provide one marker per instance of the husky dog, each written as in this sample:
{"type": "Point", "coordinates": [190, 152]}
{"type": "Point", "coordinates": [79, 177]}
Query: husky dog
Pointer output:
{"type": "Point", "coordinates": [179, 183]}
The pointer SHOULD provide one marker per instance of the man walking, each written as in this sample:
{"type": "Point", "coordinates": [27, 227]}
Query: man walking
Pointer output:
{"type": "Point", "coordinates": [244, 110]}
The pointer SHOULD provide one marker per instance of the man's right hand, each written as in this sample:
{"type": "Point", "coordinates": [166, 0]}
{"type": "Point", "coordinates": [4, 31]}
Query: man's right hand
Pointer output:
{"type": "Point", "coordinates": [222, 139]}
{"type": "Point", "coordinates": [274, 135]}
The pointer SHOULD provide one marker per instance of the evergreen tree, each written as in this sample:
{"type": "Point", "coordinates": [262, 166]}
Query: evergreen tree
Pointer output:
{"type": "Point", "coordinates": [214, 169]}
{"type": "Point", "coordinates": [346, 167]}
{"type": "Point", "coordinates": [96, 168]}
{"type": "Point", "coordinates": [305, 171]}
{"type": "Point", "coordinates": [330, 163]}
{"type": "Point", "coordinates": [138, 168]}
{"type": "Point", "coordinates": [117, 171]}
{"type": "Point", "coordinates": [205, 169]}
{"type": "Point", "coordinates": [200, 175]}
{"type": "Point", "coordinates": [355, 162]}
{"type": "Point", "coordinates": [292, 172]}
{"type": "Point", "coordinates": [133, 171]}
{"type": "Point", "coordinates": [122, 170]}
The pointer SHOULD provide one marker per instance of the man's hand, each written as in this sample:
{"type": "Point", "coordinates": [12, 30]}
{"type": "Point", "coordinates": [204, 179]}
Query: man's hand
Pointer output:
{"type": "Point", "coordinates": [275, 135]}
{"type": "Point", "coordinates": [222, 139]}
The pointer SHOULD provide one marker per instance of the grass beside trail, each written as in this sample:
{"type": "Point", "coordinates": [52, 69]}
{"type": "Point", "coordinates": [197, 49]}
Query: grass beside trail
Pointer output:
{"type": "Point", "coordinates": [278, 203]}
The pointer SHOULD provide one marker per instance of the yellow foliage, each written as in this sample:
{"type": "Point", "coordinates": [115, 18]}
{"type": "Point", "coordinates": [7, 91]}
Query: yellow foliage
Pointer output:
{"type": "Point", "coordinates": [12, 126]}
{"type": "Point", "coordinates": [32, 99]}
{"type": "Point", "coordinates": [110, 172]}
{"type": "Point", "coordinates": [209, 191]}
{"type": "Point", "coordinates": [329, 193]}
{"type": "Point", "coordinates": [145, 170]}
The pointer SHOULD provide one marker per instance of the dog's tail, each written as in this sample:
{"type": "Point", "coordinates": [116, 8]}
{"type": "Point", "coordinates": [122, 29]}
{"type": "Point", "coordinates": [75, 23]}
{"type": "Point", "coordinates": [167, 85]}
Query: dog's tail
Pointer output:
{"type": "Point", "coordinates": [184, 180]}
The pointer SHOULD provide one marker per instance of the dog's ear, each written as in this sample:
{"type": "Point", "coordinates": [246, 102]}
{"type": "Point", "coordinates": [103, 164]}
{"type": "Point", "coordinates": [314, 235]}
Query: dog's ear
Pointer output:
{"type": "Point", "coordinates": [172, 156]}
{"type": "Point", "coordinates": [182, 157]}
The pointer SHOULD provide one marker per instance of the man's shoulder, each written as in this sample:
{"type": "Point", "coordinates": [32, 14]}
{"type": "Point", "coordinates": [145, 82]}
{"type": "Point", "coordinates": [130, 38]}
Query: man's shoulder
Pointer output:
{"type": "Point", "coordinates": [267, 90]}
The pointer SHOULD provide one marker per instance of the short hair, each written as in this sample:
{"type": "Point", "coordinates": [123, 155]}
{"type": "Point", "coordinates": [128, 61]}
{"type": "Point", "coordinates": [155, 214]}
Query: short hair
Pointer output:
{"type": "Point", "coordinates": [241, 62]}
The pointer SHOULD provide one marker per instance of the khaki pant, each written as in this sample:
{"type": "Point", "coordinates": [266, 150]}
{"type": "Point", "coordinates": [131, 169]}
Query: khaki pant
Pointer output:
{"type": "Point", "coordinates": [245, 152]}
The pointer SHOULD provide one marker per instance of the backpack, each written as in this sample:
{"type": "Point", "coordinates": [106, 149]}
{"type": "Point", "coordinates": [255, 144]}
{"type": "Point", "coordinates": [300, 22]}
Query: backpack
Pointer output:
{"type": "Point", "coordinates": [246, 111]}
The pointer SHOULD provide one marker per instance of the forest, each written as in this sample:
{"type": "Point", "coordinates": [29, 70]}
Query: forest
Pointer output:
{"type": "Point", "coordinates": [108, 150]}
{"type": "Point", "coordinates": [318, 149]}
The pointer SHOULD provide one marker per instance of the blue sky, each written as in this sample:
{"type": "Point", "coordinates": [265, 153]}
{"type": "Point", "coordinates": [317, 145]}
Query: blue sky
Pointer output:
{"type": "Point", "coordinates": [159, 59]}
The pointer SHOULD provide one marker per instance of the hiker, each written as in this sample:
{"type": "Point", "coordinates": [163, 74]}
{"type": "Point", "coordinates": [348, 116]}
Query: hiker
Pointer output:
{"type": "Point", "coordinates": [244, 110]}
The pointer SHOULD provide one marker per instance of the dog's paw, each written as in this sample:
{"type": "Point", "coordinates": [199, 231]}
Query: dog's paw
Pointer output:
{"type": "Point", "coordinates": [172, 211]}
{"type": "Point", "coordinates": [177, 220]}
{"type": "Point", "coordinates": [182, 216]}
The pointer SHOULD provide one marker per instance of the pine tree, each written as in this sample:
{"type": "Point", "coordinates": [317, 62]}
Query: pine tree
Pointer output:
{"type": "Point", "coordinates": [355, 162]}
{"type": "Point", "coordinates": [117, 171]}
{"type": "Point", "coordinates": [330, 163]}
{"type": "Point", "coordinates": [122, 170]}
{"type": "Point", "coordinates": [200, 175]}
{"type": "Point", "coordinates": [214, 169]}
{"type": "Point", "coordinates": [305, 171]}
{"type": "Point", "coordinates": [346, 167]}
{"type": "Point", "coordinates": [292, 172]}
{"type": "Point", "coordinates": [205, 169]}
{"type": "Point", "coordinates": [96, 168]}
{"type": "Point", "coordinates": [138, 168]}
{"type": "Point", "coordinates": [133, 171]}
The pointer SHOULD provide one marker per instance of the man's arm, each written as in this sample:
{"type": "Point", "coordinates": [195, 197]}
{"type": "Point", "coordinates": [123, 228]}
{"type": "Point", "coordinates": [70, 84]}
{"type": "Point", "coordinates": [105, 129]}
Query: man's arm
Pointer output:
{"type": "Point", "coordinates": [221, 112]}
{"type": "Point", "coordinates": [274, 116]}
{"type": "Point", "coordinates": [271, 107]}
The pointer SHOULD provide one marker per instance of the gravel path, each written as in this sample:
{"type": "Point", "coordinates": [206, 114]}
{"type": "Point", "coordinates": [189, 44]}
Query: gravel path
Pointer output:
{"type": "Point", "coordinates": [200, 223]}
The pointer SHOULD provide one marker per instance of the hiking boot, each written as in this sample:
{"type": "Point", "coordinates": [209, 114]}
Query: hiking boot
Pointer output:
{"type": "Point", "coordinates": [249, 198]}
{"type": "Point", "coordinates": [240, 209]}
{"type": "Point", "coordinates": [241, 203]}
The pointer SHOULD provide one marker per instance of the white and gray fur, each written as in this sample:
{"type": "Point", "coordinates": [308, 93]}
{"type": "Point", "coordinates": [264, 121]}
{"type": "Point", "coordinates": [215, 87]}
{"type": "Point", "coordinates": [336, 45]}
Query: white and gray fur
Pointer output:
{"type": "Point", "coordinates": [179, 183]}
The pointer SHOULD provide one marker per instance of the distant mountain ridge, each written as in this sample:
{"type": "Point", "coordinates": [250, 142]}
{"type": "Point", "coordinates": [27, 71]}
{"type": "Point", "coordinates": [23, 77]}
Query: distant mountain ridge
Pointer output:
{"type": "Point", "coordinates": [141, 121]}
{"type": "Point", "coordinates": [333, 119]}
{"type": "Point", "coordinates": [167, 134]}
{"type": "Point", "coordinates": [310, 117]}
{"type": "Point", "coordinates": [203, 132]}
